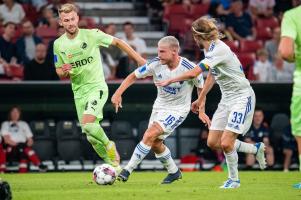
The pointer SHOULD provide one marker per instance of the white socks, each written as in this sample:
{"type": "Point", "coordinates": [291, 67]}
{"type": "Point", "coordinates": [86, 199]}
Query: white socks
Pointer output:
{"type": "Point", "coordinates": [139, 154]}
{"type": "Point", "coordinates": [167, 161]}
{"type": "Point", "coordinates": [245, 147]}
{"type": "Point", "coordinates": [232, 164]}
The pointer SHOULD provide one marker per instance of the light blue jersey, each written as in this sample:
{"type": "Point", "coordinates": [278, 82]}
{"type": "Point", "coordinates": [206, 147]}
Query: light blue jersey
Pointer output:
{"type": "Point", "coordinates": [176, 96]}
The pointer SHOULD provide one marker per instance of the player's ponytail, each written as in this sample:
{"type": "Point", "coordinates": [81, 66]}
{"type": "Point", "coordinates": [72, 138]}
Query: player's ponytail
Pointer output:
{"type": "Point", "coordinates": [205, 28]}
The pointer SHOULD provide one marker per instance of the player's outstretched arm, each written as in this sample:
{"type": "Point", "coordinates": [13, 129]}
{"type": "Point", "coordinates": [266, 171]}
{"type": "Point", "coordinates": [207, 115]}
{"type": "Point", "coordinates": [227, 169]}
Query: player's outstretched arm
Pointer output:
{"type": "Point", "coordinates": [207, 87]}
{"type": "Point", "coordinates": [185, 76]}
{"type": "Point", "coordinates": [129, 50]}
{"type": "Point", "coordinates": [286, 49]}
{"type": "Point", "coordinates": [116, 98]}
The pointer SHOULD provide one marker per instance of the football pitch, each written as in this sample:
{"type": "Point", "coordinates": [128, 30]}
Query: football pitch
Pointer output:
{"type": "Point", "coordinates": [146, 185]}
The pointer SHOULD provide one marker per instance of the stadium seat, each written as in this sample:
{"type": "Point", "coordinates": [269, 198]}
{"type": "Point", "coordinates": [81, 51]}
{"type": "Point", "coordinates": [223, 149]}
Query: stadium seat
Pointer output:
{"type": "Point", "coordinates": [177, 17]}
{"type": "Point", "coordinates": [199, 10]}
{"type": "Point", "coordinates": [44, 142]}
{"type": "Point", "coordinates": [177, 9]}
{"type": "Point", "coordinates": [31, 12]}
{"type": "Point", "coordinates": [123, 136]}
{"type": "Point", "coordinates": [234, 45]}
{"type": "Point", "coordinates": [68, 141]}
{"type": "Point", "coordinates": [16, 71]}
{"type": "Point", "coordinates": [171, 143]}
{"type": "Point", "coordinates": [46, 33]}
{"type": "Point", "coordinates": [142, 126]}
{"type": "Point", "coordinates": [247, 61]}
{"type": "Point", "coordinates": [188, 140]}
{"type": "Point", "coordinates": [279, 122]}
{"type": "Point", "coordinates": [271, 22]}
{"type": "Point", "coordinates": [263, 33]}
{"type": "Point", "coordinates": [248, 46]}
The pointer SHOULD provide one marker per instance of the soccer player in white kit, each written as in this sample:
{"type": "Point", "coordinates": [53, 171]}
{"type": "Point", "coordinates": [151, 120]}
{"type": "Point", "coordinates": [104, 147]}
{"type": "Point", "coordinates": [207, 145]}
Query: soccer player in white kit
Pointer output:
{"type": "Point", "coordinates": [170, 109]}
{"type": "Point", "coordinates": [235, 110]}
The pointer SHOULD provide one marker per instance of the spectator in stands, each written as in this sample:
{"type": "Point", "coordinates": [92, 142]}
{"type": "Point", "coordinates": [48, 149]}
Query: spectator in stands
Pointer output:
{"type": "Point", "coordinates": [3, 68]}
{"type": "Point", "coordinates": [112, 54]}
{"type": "Point", "coordinates": [11, 12]}
{"type": "Point", "coordinates": [289, 146]}
{"type": "Point", "coordinates": [48, 18]}
{"type": "Point", "coordinates": [114, 51]}
{"type": "Point", "coordinates": [7, 47]}
{"type": "Point", "coordinates": [282, 71]}
{"type": "Point", "coordinates": [261, 8]}
{"type": "Point", "coordinates": [259, 132]}
{"type": "Point", "coordinates": [272, 45]}
{"type": "Point", "coordinates": [263, 67]}
{"type": "Point", "coordinates": [50, 57]}
{"type": "Point", "coordinates": [18, 139]}
{"type": "Point", "coordinates": [26, 45]}
{"type": "Point", "coordinates": [133, 40]}
{"type": "Point", "coordinates": [2, 156]}
{"type": "Point", "coordinates": [126, 65]}
{"type": "Point", "coordinates": [205, 153]}
{"type": "Point", "coordinates": [38, 4]}
{"type": "Point", "coordinates": [239, 22]}
{"type": "Point", "coordinates": [40, 68]}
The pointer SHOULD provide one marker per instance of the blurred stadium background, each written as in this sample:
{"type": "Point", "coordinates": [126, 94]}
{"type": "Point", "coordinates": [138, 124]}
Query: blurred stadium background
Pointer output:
{"type": "Point", "coordinates": [47, 105]}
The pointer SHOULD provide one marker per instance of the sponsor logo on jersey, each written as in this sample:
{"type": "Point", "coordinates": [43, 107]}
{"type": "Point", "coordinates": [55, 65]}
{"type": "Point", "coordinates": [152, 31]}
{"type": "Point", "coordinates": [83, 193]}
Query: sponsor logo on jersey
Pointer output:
{"type": "Point", "coordinates": [142, 69]}
{"type": "Point", "coordinates": [83, 62]}
{"type": "Point", "coordinates": [74, 55]}
{"type": "Point", "coordinates": [171, 90]}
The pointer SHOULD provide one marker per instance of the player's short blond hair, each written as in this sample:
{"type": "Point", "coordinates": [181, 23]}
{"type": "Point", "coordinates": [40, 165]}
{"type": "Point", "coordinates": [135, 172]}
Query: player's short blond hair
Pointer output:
{"type": "Point", "coordinates": [205, 28]}
{"type": "Point", "coordinates": [171, 41]}
{"type": "Point", "coordinates": [67, 8]}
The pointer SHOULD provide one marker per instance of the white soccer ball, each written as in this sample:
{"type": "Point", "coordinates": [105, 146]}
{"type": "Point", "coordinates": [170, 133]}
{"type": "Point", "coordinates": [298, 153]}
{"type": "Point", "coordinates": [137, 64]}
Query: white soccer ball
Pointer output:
{"type": "Point", "coordinates": [104, 174]}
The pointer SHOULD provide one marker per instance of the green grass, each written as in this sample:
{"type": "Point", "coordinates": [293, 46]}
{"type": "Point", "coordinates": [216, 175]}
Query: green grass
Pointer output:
{"type": "Point", "coordinates": [145, 185]}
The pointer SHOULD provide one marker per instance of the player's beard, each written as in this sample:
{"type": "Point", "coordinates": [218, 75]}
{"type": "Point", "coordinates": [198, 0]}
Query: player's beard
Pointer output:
{"type": "Point", "coordinates": [72, 33]}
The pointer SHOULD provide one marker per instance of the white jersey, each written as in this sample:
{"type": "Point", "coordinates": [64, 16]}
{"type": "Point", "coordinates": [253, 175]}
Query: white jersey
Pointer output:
{"type": "Point", "coordinates": [18, 132]}
{"type": "Point", "coordinates": [176, 96]}
{"type": "Point", "coordinates": [227, 70]}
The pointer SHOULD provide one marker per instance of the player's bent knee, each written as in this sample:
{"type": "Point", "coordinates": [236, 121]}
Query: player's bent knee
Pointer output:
{"type": "Point", "coordinates": [226, 146]}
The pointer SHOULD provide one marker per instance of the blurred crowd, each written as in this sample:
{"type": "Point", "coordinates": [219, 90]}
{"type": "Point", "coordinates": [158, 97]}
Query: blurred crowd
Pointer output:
{"type": "Point", "coordinates": [251, 28]}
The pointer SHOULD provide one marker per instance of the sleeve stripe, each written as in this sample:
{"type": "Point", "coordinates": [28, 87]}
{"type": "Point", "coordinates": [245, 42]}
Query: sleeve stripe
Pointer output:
{"type": "Point", "coordinates": [187, 64]}
{"type": "Point", "coordinates": [153, 60]}
{"type": "Point", "coordinates": [204, 67]}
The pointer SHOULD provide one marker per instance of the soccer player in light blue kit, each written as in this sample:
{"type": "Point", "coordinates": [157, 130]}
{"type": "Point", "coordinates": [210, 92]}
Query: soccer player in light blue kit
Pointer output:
{"type": "Point", "coordinates": [235, 111]}
{"type": "Point", "coordinates": [170, 109]}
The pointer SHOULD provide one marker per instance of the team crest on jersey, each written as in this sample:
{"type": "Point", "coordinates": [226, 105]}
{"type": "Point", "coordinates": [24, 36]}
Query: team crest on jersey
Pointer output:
{"type": "Point", "coordinates": [83, 45]}
{"type": "Point", "coordinates": [94, 103]}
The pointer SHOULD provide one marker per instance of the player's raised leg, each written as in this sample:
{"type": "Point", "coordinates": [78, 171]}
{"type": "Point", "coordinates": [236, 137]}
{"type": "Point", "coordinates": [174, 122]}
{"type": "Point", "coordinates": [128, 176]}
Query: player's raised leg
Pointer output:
{"type": "Point", "coordinates": [141, 150]}
{"type": "Point", "coordinates": [163, 154]}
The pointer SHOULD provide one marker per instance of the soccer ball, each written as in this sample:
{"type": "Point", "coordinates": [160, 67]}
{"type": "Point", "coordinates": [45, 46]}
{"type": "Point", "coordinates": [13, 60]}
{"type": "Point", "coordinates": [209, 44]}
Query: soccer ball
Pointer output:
{"type": "Point", "coordinates": [104, 174]}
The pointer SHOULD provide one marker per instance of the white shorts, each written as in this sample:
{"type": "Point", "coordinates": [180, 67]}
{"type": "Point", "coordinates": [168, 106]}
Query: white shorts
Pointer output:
{"type": "Point", "coordinates": [168, 121]}
{"type": "Point", "coordinates": [235, 116]}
